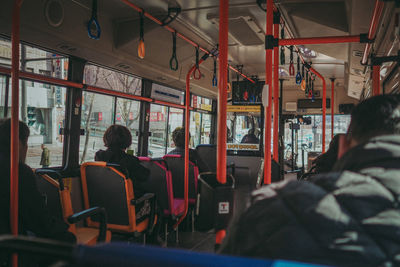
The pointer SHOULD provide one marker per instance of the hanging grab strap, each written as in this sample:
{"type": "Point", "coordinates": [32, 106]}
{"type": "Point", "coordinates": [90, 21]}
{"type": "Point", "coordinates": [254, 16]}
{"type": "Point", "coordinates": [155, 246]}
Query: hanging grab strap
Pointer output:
{"type": "Point", "coordinates": [302, 72]}
{"type": "Point", "coordinates": [93, 26]}
{"type": "Point", "coordinates": [214, 79]}
{"type": "Point", "coordinates": [197, 72]}
{"type": "Point", "coordinates": [141, 48]}
{"type": "Point", "coordinates": [173, 62]}
{"type": "Point", "coordinates": [298, 75]}
{"type": "Point", "coordinates": [291, 66]}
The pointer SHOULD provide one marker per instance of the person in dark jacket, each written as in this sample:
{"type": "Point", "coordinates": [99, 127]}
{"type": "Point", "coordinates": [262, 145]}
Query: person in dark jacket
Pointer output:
{"type": "Point", "coordinates": [250, 138]}
{"type": "Point", "coordinates": [347, 217]}
{"type": "Point", "coordinates": [34, 218]}
{"type": "Point", "coordinates": [178, 136]}
{"type": "Point", "coordinates": [117, 139]}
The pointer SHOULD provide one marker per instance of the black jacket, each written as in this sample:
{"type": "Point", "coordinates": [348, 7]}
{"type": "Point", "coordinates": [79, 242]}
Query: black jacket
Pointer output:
{"type": "Point", "coordinates": [136, 172]}
{"type": "Point", "coordinates": [193, 157]}
{"type": "Point", "coordinates": [350, 217]}
{"type": "Point", "coordinates": [34, 217]}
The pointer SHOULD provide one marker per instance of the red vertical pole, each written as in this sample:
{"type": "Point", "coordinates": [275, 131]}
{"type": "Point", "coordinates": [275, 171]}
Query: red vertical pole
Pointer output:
{"type": "Point", "coordinates": [276, 96]}
{"type": "Point", "coordinates": [376, 79]}
{"type": "Point", "coordinates": [332, 105]}
{"type": "Point", "coordinates": [222, 90]}
{"type": "Point", "coordinates": [187, 125]}
{"type": "Point", "coordinates": [14, 123]}
{"type": "Point", "coordinates": [323, 107]}
{"type": "Point", "coordinates": [268, 108]}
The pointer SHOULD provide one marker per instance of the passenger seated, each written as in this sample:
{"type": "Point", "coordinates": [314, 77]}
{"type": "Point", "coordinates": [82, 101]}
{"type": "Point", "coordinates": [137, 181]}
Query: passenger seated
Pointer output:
{"type": "Point", "coordinates": [347, 217]}
{"type": "Point", "coordinates": [250, 138]}
{"type": "Point", "coordinates": [34, 217]}
{"type": "Point", "coordinates": [178, 136]}
{"type": "Point", "coordinates": [117, 139]}
{"type": "Point", "coordinates": [325, 162]}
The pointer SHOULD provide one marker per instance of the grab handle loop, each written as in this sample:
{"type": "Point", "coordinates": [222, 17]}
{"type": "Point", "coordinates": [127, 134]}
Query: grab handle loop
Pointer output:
{"type": "Point", "coordinates": [214, 79]}
{"type": "Point", "coordinates": [173, 62]}
{"type": "Point", "coordinates": [291, 66]}
{"type": "Point", "coordinates": [298, 75]}
{"type": "Point", "coordinates": [197, 72]}
{"type": "Point", "coordinates": [141, 47]}
{"type": "Point", "coordinates": [93, 26]}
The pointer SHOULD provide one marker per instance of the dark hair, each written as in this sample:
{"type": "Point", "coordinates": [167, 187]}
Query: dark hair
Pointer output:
{"type": "Point", "coordinates": [325, 162]}
{"type": "Point", "coordinates": [178, 136]}
{"type": "Point", "coordinates": [378, 115]}
{"type": "Point", "coordinates": [5, 134]}
{"type": "Point", "coordinates": [117, 137]}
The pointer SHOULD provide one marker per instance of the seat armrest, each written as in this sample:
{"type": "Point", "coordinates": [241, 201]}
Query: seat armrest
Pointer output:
{"type": "Point", "coordinates": [143, 198]}
{"type": "Point", "coordinates": [101, 212]}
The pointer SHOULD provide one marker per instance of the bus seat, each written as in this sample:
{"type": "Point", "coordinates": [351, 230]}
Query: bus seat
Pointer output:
{"type": "Point", "coordinates": [176, 164]}
{"type": "Point", "coordinates": [103, 185]}
{"type": "Point", "coordinates": [160, 183]}
{"type": "Point", "coordinates": [58, 200]}
{"type": "Point", "coordinates": [208, 153]}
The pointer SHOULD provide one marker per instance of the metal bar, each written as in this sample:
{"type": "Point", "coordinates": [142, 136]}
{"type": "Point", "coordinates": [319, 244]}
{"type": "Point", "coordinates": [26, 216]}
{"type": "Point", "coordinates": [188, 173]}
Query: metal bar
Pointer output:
{"type": "Point", "coordinates": [187, 124]}
{"type": "Point", "coordinates": [323, 107]}
{"type": "Point", "coordinates": [6, 96]}
{"type": "Point", "coordinates": [320, 40]}
{"type": "Point", "coordinates": [276, 97]}
{"type": "Point", "coordinates": [14, 148]}
{"type": "Point", "coordinates": [376, 79]}
{"type": "Point", "coordinates": [372, 29]}
{"type": "Point", "coordinates": [332, 105]}
{"type": "Point", "coordinates": [90, 88]}
{"type": "Point", "coordinates": [222, 90]}
{"type": "Point", "coordinates": [268, 108]}
{"type": "Point", "coordinates": [183, 37]}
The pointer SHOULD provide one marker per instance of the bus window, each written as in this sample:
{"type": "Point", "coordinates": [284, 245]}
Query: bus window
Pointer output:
{"type": "Point", "coordinates": [158, 130]}
{"type": "Point", "coordinates": [175, 119]}
{"type": "Point", "coordinates": [128, 114]}
{"type": "Point", "coordinates": [97, 116]}
{"type": "Point", "coordinates": [195, 125]}
{"type": "Point", "coordinates": [113, 80]}
{"type": "Point", "coordinates": [205, 128]}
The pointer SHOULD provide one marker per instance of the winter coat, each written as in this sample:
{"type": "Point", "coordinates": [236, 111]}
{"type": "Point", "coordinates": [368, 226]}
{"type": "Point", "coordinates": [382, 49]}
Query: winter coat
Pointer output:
{"type": "Point", "coordinates": [350, 217]}
{"type": "Point", "coordinates": [45, 157]}
{"type": "Point", "coordinates": [136, 172]}
{"type": "Point", "coordinates": [193, 157]}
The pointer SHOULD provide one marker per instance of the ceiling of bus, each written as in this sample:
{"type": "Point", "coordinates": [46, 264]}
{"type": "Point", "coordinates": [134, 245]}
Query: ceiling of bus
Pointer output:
{"type": "Point", "coordinates": [117, 47]}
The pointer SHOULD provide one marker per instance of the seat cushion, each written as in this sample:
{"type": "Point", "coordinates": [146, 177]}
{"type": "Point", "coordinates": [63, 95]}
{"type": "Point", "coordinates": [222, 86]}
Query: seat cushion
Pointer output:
{"type": "Point", "coordinates": [88, 236]}
{"type": "Point", "coordinates": [178, 209]}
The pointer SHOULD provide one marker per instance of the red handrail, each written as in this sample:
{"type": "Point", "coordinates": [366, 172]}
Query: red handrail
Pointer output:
{"type": "Point", "coordinates": [187, 122]}
{"type": "Point", "coordinates": [222, 90]}
{"type": "Point", "coordinates": [183, 37]}
{"type": "Point", "coordinates": [323, 107]}
{"type": "Point", "coordinates": [376, 79]}
{"type": "Point", "coordinates": [268, 108]}
{"type": "Point", "coordinates": [276, 97]}
{"type": "Point", "coordinates": [14, 148]}
{"type": "Point", "coordinates": [320, 40]}
{"type": "Point", "coordinates": [332, 106]}
{"type": "Point", "coordinates": [372, 28]}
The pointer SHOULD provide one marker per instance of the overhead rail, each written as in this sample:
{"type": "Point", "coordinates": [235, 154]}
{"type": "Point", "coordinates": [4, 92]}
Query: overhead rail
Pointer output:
{"type": "Point", "coordinates": [14, 144]}
{"type": "Point", "coordinates": [183, 37]}
{"type": "Point", "coordinates": [362, 38]}
{"type": "Point", "coordinates": [372, 28]}
{"type": "Point", "coordinates": [86, 87]}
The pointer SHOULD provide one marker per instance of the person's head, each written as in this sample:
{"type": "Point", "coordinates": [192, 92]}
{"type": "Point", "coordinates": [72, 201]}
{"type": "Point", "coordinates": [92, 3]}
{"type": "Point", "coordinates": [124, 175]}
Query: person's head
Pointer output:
{"type": "Point", "coordinates": [250, 131]}
{"type": "Point", "coordinates": [178, 136]}
{"type": "Point", "coordinates": [375, 116]}
{"type": "Point", "coordinates": [42, 146]}
{"type": "Point", "coordinates": [117, 137]}
{"type": "Point", "coordinates": [5, 138]}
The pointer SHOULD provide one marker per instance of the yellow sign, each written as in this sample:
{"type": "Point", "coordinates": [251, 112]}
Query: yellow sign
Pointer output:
{"type": "Point", "coordinates": [250, 147]}
{"type": "Point", "coordinates": [234, 108]}
{"type": "Point", "coordinates": [205, 107]}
